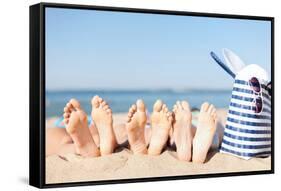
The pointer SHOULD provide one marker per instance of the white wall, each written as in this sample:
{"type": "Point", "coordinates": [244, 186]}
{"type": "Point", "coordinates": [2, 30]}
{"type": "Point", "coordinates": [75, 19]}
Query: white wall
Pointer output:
{"type": "Point", "coordinates": [14, 68]}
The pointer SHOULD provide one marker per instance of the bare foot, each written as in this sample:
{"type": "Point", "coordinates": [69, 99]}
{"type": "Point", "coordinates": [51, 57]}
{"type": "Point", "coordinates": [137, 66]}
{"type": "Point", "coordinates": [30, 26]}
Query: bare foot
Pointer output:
{"type": "Point", "coordinates": [102, 117]}
{"type": "Point", "coordinates": [135, 128]}
{"type": "Point", "coordinates": [205, 132]}
{"type": "Point", "coordinates": [76, 123]}
{"type": "Point", "coordinates": [161, 123]}
{"type": "Point", "coordinates": [182, 130]}
{"type": "Point", "coordinates": [70, 106]}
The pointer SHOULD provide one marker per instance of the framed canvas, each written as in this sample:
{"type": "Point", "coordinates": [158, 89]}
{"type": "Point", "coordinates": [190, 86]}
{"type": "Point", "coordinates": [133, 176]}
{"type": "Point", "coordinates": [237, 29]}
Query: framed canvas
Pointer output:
{"type": "Point", "coordinates": [121, 95]}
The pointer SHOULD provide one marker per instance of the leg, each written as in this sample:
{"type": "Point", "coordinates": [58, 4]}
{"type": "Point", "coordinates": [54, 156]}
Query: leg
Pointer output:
{"type": "Point", "coordinates": [95, 134]}
{"type": "Point", "coordinates": [182, 130]}
{"type": "Point", "coordinates": [204, 133]}
{"type": "Point", "coordinates": [55, 138]}
{"type": "Point", "coordinates": [161, 123]}
{"type": "Point", "coordinates": [120, 132]}
{"type": "Point", "coordinates": [136, 128]}
{"type": "Point", "coordinates": [76, 123]}
{"type": "Point", "coordinates": [102, 117]}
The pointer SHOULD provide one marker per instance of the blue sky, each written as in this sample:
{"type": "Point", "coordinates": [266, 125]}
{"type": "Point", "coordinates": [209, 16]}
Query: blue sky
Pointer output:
{"type": "Point", "coordinates": [88, 49]}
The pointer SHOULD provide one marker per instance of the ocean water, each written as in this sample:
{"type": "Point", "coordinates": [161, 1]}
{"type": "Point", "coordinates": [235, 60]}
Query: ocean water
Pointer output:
{"type": "Point", "coordinates": [121, 100]}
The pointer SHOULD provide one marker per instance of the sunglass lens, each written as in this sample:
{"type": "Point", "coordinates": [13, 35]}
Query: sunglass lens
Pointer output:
{"type": "Point", "coordinates": [255, 84]}
{"type": "Point", "coordinates": [258, 104]}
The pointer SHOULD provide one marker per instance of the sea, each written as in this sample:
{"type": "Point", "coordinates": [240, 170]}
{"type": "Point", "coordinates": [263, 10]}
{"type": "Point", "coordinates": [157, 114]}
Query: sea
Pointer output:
{"type": "Point", "coordinates": [121, 100]}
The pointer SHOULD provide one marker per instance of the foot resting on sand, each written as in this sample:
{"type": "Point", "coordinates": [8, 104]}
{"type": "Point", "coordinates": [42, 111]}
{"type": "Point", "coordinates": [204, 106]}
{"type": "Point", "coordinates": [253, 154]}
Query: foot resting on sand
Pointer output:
{"type": "Point", "coordinates": [76, 123]}
{"type": "Point", "coordinates": [205, 133]}
{"type": "Point", "coordinates": [182, 130]}
{"type": "Point", "coordinates": [135, 127]}
{"type": "Point", "coordinates": [102, 118]}
{"type": "Point", "coordinates": [161, 124]}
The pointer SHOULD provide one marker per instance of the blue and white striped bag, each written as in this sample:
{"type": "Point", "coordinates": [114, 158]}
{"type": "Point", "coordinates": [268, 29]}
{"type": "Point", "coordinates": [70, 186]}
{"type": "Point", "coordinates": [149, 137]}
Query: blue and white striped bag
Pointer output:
{"type": "Point", "coordinates": [247, 131]}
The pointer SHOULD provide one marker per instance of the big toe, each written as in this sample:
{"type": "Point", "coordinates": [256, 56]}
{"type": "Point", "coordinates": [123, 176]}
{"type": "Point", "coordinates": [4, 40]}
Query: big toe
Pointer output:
{"type": "Point", "coordinates": [158, 105]}
{"type": "Point", "coordinates": [95, 101]}
{"type": "Point", "coordinates": [75, 103]}
{"type": "Point", "coordinates": [204, 107]}
{"type": "Point", "coordinates": [141, 105]}
{"type": "Point", "coordinates": [69, 107]}
{"type": "Point", "coordinates": [211, 109]}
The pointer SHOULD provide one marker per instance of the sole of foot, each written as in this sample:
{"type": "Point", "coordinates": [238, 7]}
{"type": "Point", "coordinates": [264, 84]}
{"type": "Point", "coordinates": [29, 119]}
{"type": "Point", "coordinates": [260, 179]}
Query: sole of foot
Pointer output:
{"type": "Point", "coordinates": [76, 123]}
{"type": "Point", "coordinates": [161, 124]}
{"type": "Point", "coordinates": [182, 133]}
{"type": "Point", "coordinates": [204, 133]}
{"type": "Point", "coordinates": [135, 127]}
{"type": "Point", "coordinates": [102, 118]}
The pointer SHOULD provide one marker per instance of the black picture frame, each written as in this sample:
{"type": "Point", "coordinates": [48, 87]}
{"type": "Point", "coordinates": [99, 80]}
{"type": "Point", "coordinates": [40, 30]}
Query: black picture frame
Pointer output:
{"type": "Point", "coordinates": [37, 94]}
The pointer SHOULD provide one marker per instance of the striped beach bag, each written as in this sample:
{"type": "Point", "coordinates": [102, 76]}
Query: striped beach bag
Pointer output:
{"type": "Point", "coordinates": [247, 131]}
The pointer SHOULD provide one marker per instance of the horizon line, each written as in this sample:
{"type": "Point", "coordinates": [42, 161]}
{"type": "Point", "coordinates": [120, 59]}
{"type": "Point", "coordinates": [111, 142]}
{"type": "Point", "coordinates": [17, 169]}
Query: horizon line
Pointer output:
{"type": "Point", "coordinates": [139, 89]}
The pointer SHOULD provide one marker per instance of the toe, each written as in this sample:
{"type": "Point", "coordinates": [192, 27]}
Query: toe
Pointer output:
{"type": "Point", "coordinates": [66, 109]}
{"type": "Point", "coordinates": [130, 114]}
{"type": "Point", "coordinates": [66, 115]}
{"type": "Point", "coordinates": [108, 111]}
{"type": "Point", "coordinates": [75, 103]}
{"type": "Point", "coordinates": [170, 117]}
{"type": "Point", "coordinates": [106, 107]}
{"type": "Point", "coordinates": [210, 109]}
{"type": "Point", "coordinates": [133, 108]}
{"type": "Point", "coordinates": [214, 115]}
{"type": "Point", "coordinates": [100, 100]}
{"type": "Point", "coordinates": [185, 105]}
{"type": "Point", "coordinates": [95, 101]}
{"type": "Point", "coordinates": [103, 103]}
{"type": "Point", "coordinates": [157, 106]}
{"type": "Point", "coordinates": [65, 121]}
{"type": "Point", "coordinates": [179, 105]}
{"type": "Point", "coordinates": [168, 114]}
{"type": "Point", "coordinates": [164, 108]}
{"type": "Point", "coordinates": [70, 107]}
{"type": "Point", "coordinates": [205, 106]}
{"type": "Point", "coordinates": [140, 105]}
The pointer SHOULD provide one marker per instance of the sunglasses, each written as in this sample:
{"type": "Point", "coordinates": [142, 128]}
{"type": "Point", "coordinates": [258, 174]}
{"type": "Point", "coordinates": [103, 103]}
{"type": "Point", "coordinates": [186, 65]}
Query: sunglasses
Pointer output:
{"type": "Point", "coordinates": [257, 89]}
{"type": "Point", "coordinates": [258, 100]}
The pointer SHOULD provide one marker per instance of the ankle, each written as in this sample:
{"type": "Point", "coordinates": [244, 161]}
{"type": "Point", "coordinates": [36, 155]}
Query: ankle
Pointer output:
{"type": "Point", "coordinates": [139, 149]}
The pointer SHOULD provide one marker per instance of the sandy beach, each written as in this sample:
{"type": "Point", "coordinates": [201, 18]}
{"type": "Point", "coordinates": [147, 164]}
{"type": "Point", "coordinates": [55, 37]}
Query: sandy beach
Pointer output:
{"type": "Point", "coordinates": [123, 164]}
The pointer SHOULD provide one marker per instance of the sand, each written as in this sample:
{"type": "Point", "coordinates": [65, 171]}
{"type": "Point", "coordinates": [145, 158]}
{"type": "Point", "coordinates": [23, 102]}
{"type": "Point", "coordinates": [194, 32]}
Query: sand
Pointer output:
{"type": "Point", "coordinates": [123, 164]}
